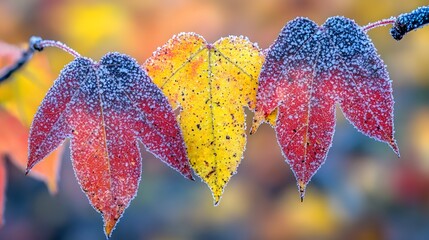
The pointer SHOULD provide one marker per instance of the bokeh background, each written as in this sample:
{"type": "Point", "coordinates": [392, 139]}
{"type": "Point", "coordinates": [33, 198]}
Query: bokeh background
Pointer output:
{"type": "Point", "coordinates": [363, 191]}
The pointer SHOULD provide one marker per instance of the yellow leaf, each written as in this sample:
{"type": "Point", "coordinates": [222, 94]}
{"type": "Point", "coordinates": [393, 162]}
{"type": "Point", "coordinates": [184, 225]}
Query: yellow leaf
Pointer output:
{"type": "Point", "coordinates": [22, 93]}
{"type": "Point", "coordinates": [20, 96]}
{"type": "Point", "coordinates": [259, 118]}
{"type": "Point", "coordinates": [8, 55]}
{"type": "Point", "coordinates": [211, 83]}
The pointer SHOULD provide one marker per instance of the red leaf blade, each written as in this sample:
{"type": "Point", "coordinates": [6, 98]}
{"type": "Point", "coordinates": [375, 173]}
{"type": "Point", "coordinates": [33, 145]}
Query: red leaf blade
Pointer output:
{"type": "Point", "coordinates": [105, 108]}
{"type": "Point", "coordinates": [364, 88]}
{"type": "Point", "coordinates": [309, 69]}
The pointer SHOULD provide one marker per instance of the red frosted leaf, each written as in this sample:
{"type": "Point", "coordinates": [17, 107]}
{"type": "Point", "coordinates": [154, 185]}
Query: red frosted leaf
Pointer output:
{"type": "Point", "coordinates": [307, 71]}
{"type": "Point", "coordinates": [105, 108]}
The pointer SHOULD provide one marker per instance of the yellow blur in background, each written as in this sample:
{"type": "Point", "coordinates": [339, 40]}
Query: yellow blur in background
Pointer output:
{"type": "Point", "coordinates": [363, 191]}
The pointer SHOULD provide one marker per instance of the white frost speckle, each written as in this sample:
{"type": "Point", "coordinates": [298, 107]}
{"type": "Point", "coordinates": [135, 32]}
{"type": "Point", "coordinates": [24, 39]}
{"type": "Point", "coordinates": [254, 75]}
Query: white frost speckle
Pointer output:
{"type": "Point", "coordinates": [307, 71]}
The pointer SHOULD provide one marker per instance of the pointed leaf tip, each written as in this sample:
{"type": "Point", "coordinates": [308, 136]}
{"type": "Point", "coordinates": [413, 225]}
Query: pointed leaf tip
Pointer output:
{"type": "Point", "coordinates": [106, 108]}
{"type": "Point", "coordinates": [216, 201]}
{"type": "Point", "coordinates": [258, 119]}
{"type": "Point", "coordinates": [190, 177]}
{"type": "Point", "coordinates": [216, 194]}
{"type": "Point", "coordinates": [307, 72]}
{"type": "Point", "coordinates": [395, 147]}
{"type": "Point", "coordinates": [109, 227]}
{"type": "Point", "coordinates": [212, 83]}
{"type": "Point", "coordinates": [301, 188]}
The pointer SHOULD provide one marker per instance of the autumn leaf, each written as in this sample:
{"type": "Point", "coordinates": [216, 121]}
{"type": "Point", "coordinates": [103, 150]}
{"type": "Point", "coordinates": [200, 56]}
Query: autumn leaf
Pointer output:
{"type": "Point", "coordinates": [307, 71]}
{"type": "Point", "coordinates": [13, 143]}
{"type": "Point", "coordinates": [212, 83]}
{"type": "Point", "coordinates": [18, 108]}
{"type": "Point", "coordinates": [35, 78]}
{"type": "Point", "coordinates": [14, 123]}
{"type": "Point", "coordinates": [105, 108]}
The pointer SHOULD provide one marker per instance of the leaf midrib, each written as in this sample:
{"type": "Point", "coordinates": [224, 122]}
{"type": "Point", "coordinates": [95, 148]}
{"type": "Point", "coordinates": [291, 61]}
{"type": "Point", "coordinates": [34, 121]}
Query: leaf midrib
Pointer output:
{"type": "Point", "coordinates": [104, 134]}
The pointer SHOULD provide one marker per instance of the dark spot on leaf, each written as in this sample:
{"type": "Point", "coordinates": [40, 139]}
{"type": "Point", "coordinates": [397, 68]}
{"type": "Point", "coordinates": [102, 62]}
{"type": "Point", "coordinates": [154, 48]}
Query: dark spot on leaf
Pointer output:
{"type": "Point", "coordinates": [211, 172]}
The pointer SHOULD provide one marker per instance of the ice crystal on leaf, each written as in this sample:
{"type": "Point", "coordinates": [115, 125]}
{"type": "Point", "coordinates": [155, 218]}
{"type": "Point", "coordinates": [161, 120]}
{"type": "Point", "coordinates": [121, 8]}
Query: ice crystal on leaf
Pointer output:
{"type": "Point", "coordinates": [105, 108]}
{"type": "Point", "coordinates": [212, 83]}
{"type": "Point", "coordinates": [307, 71]}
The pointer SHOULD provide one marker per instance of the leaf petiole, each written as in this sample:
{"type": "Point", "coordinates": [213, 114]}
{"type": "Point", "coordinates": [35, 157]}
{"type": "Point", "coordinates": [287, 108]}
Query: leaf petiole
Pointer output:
{"type": "Point", "coordinates": [37, 43]}
{"type": "Point", "coordinates": [404, 23]}
{"type": "Point", "coordinates": [380, 23]}
{"type": "Point", "coordinates": [26, 55]}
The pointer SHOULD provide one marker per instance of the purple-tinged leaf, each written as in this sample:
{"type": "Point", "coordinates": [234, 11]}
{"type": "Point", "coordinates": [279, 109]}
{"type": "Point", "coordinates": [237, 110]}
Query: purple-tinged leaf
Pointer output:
{"type": "Point", "coordinates": [307, 71]}
{"type": "Point", "coordinates": [105, 108]}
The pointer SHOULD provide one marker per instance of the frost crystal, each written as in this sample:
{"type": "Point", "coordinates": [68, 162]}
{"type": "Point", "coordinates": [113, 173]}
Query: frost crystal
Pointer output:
{"type": "Point", "coordinates": [307, 71]}
{"type": "Point", "coordinates": [410, 21]}
{"type": "Point", "coordinates": [105, 108]}
{"type": "Point", "coordinates": [211, 83]}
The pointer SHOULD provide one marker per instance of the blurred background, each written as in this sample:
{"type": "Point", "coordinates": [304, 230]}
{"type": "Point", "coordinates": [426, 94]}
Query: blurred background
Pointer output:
{"type": "Point", "coordinates": [363, 191]}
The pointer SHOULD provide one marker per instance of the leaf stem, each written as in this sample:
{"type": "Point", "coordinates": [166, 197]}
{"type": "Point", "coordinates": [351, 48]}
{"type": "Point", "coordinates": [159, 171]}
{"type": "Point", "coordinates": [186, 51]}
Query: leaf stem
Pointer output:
{"type": "Point", "coordinates": [35, 44]}
{"type": "Point", "coordinates": [380, 23]}
{"type": "Point", "coordinates": [39, 44]}
{"type": "Point", "coordinates": [8, 71]}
